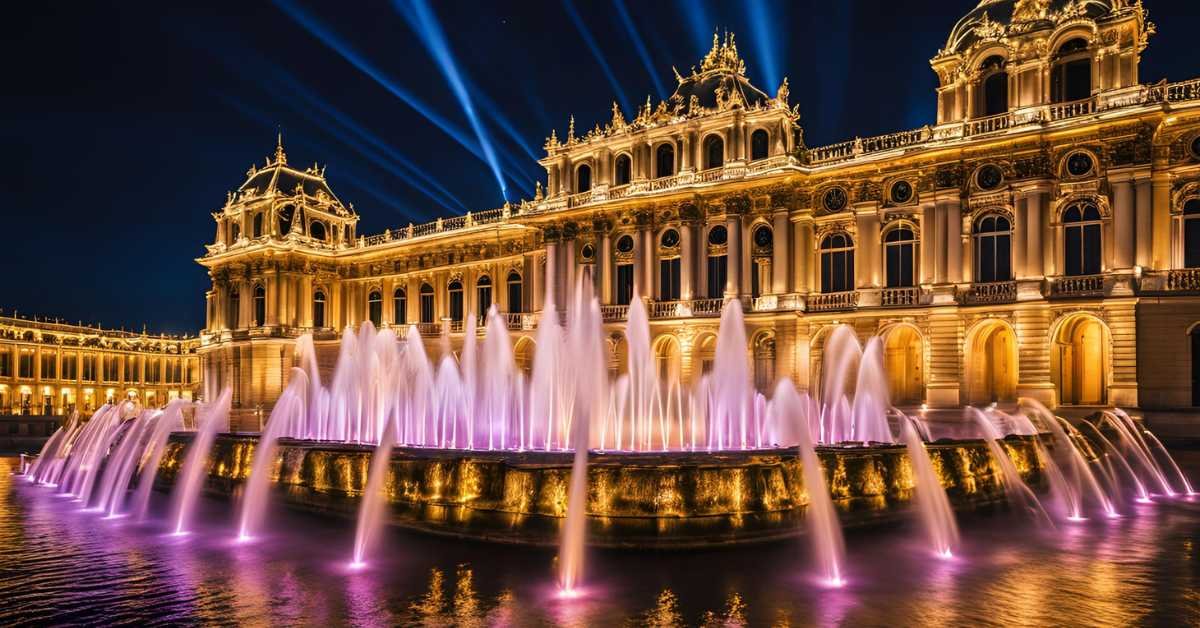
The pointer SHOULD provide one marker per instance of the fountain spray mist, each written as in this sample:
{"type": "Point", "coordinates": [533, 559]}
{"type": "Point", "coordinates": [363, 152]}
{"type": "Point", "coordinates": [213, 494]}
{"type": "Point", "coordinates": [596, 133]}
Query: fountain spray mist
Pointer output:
{"type": "Point", "coordinates": [195, 466]}
{"type": "Point", "coordinates": [933, 507]}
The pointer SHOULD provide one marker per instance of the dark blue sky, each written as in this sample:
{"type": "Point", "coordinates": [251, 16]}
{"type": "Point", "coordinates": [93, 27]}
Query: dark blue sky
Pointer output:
{"type": "Point", "coordinates": [124, 125]}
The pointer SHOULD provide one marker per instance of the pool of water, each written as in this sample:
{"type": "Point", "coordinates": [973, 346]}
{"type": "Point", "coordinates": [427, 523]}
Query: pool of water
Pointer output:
{"type": "Point", "coordinates": [61, 565]}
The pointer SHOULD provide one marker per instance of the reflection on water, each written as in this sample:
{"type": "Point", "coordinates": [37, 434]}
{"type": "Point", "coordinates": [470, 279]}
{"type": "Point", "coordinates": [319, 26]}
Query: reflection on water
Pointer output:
{"type": "Point", "coordinates": [61, 565]}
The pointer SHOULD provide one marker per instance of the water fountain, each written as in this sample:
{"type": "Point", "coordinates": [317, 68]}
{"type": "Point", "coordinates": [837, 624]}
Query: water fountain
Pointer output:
{"type": "Point", "coordinates": [195, 467]}
{"type": "Point", "coordinates": [933, 507]}
{"type": "Point", "coordinates": [170, 420]}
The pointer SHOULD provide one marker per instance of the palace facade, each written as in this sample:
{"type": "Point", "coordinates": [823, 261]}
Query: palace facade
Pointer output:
{"type": "Point", "coordinates": [50, 368]}
{"type": "Point", "coordinates": [1041, 239]}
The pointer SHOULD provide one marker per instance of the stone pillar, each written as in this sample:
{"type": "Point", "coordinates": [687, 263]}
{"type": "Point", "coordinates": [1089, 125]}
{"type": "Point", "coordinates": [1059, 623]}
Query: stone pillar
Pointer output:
{"type": "Point", "coordinates": [1144, 223]}
{"type": "Point", "coordinates": [866, 273]}
{"type": "Point", "coordinates": [273, 289]}
{"type": "Point", "coordinates": [605, 265]}
{"type": "Point", "coordinates": [1035, 214]}
{"type": "Point", "coordinates": [551, 290]}
{"type": "Point", "coordinates": [1123, 221]}
{"type": "Point", "coordinates": [1020, 228]}
{"type": "Point", "coordinates": [646, 249]}
{"type": "Point", "coordinates": [568, 280]}
{"type": "Point", "coordinates": [801, 252]}
{"type": "Point", "coordinates": [537, 281]}
{"type": "Point", "coordinates": [954, 258]}
{"type": "Point", "coordinates": [1161, 223]}
{"type": "Point", "coordinates": [945, 364]}
{"type": "Point", "coordinates": [687, 260]}
{"type": "Point", "coordinates": [938, 240]}
{"type": "Point", "coordinates": [780, 272]}
{"type": "Point", "coordinates": [733, 254]}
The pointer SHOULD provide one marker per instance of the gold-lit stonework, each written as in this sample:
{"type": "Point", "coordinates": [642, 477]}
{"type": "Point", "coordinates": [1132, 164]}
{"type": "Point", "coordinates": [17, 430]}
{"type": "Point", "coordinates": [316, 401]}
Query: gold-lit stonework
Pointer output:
{"type": "Point", "coordinates": [1035, 242]}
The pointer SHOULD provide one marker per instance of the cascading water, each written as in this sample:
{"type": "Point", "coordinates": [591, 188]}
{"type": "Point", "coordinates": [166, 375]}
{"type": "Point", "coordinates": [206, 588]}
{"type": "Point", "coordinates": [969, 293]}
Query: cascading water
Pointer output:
{"type": "Point", "coordinates": [195, 465]}
{"type": "Point", "coordinates": [1019, 493]}
{"type": "Point", "coordinates": [933, 507]}
{"type": "Point", "coordinates": [287, 411]}
{"type": "Point", "coordinates": [169, 421]}
{"type": "Point", "coordinates": [121, 462]}
{"type": "Point", "coordinates": [1077, 480]}
{"type": "Point", "coordinates": [370, 509]}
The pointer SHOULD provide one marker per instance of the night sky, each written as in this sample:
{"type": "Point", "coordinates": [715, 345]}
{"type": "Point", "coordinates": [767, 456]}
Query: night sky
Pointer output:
{"type": "Point", "coordinates": [124, 125]}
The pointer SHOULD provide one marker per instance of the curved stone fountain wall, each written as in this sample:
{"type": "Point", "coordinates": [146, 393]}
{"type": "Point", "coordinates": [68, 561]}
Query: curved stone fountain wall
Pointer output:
{"type": "Point", "coordinates": [635, 500]}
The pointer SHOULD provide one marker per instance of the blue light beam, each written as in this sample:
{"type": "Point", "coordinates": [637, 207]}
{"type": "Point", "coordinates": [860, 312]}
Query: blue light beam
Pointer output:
{"type": "Point", "coordinates": [762, 27]}
{"type": "Point", "coordinates": [423, 20]}
{"type": "Point", "coordinates": [595, 48]}
{"type": "Point", "coordinates": [640, 46]}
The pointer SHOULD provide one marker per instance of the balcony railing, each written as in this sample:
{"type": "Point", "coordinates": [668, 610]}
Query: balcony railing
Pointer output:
{"type": "Point", "coordinates": [992, 292]}
{"type": "Point", "coordinates": [668, 309]}
{"type": "Point", "coordinates": [900, 297]}
{"type": "Point", "coordinates": [707, 307]}
{"type": "Point", "coordinates": [1075, 108]}
{"type": "Point", "coordinates": [429, 329]}
{"type": "Point", "coordinates": [611, 313]}
{"type": "Point", "coordinates": [1184, 280]}
{"type": "Point", "coordinates": [833, 301]}
{"type": "Point", "coordinates": [1088, 285]}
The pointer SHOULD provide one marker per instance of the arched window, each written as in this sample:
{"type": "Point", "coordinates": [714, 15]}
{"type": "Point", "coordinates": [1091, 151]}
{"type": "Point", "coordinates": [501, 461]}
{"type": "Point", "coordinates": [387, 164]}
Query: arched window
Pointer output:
{"type": "Point", "coordinates": [375, 308]}
{"type": "Point", "coordinates": [286, 213]}
{"type": "Point", "coordinates": [318, 317]}
{"type": "Point", "coordinates": [718, 261]}
{"type": "Point", "coordinates": [235, 232]}
{"type": "Point", "coordinates": [623, 170]}
{"type": "Point", "coordinates": [257, 225]}
{"type": "Point", "coordinates": [837, 263]}
{"type": "Point", "coordinates": [260, 306]}
{"type": "Point", "coordinates": [993, 249]}
{"type": "Point", "coordinates": [317, 231]}
{"type": "Point", "coordinates": [664, 161]}
{"type": "Point", "coordinates": [1081, 240]}
{"type": "Point", "coordinates": [994, 81]}
{"type": "Point", "coordinates": [714, 151]}
{"type": "Point", "coordinates": [235, 308]}
{"type": "Point", "coordinates": [456, 300]}
{"type": "Point", "coordinates": [426, 303]}
{"type": "Point", "coordinates": [583, 178]}
{"type": "Point", "coordinates": [1191, 233]}
{"type": "Point", "coordinates": [1071, 75]}
{"type": "Point", "coordinates": [669, 266]}
{"type": "Point", "coordinates": [483, 295]}
{"type": "Point", "coordinates": [400, 306]}
{"type": "Point", "coordinates": [760, 143]}
{"type": "Point", "coordinates": [515, 292]}
{"type": "Point", "coordinates": [763, 244]}
{"type": "Point", "coordinates": [624, 285]}
{"type": "Point", "coordinates": [899, 257]}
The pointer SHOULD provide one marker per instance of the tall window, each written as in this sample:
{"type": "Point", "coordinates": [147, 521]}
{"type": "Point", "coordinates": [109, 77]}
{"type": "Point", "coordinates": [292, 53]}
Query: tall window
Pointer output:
{"type": "Point", "coordinates": [49, 367]}
{"type": "Point", "coordinates": [1071, 75]}
{"type": "Point", "coordinates": [69, 366]}
{"type": "Point", "coordinates": [483, 295]}
{"type": "Point", "coordinates": [623, 171]}
{"type": "Point", "coordinates": [993, 249]}
{"type": "Point", "coordinates": [718, 261]}
{"type": "Point", "coordinates": [5, 365]}
{"type": "Point", "coordinates": [1191, 233]}
{"type": "Point", "coordinates": [515, 296]}
{"type": "Point", "coordinates": [837, 263]}
{"type": "Point", "coordinates": [260, 306]}
{"type": "Point", "coordinates": [235, 308]}
{"type": "Point", "coordinates": [1081, 234]}
{"type": "Point", "coordinates": [318, 309]}
{"type": "Point", "coordinates": [668, 279]}
{"type": "Point", "coordinates": [624, 284]}
{"type": "Point", "coordinates": [258, 225]}
{"type": "Point", "coordinates": [286, 213]}
{"type": "Point", "coordinates": [763, 243]}
{"type": "Point", "coordinates": [375, 308]}
{"type": "Point", "coordinates": [426, 303]}
{"type": "Point", "coordinates": [995, 86]}
{"type": "Point", "coordinates": [400, 306]}
{"type": "Point", "coordinates": [456, 300]}
{"type": "Point", "coordinates": [25, 365]}
{"type": "Point", "coordinates": [583, 178]}
{"type": "Point", "coordinates": [235, 232]}
{"type": "Point", "coordinates": [899, 255]}
{"type": "Point", "coordinates": [664, 161]}
{"type": "Point", "coordinates": [714, 151]}
{"type": "Point", "coordinates": [760, 143]}
{"type": "Point", "coordinates": [317, 231]}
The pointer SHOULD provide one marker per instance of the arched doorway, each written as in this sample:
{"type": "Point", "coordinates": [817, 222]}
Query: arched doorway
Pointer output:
{"type": "Point", "coordinates": [992, 364]}
{"type": "Point", "coordinates": [763, 347]}
{"type": "Point", "coordinates": [704, 354]}
{"type": "Point", "coordinates": [1079, 362]}
{"type": "Point", "coordinates": [666, 359]}
{"type": "Point", "coordinates": [523, 355]}
{"type": "Point", "coordinates": [904, 362]}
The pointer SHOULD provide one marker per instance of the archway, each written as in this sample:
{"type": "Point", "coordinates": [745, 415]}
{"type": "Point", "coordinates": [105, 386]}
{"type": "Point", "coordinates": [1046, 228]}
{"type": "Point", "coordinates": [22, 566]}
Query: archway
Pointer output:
{"type": "Point", "coordinates": [523, 355]}
{"type": "Point", "coordinates": [1079, 362]}
{"type": "Point", "coordinates": [666, 358]}
{"type": "Point", "coordinates": [992, 364]}
{"type": "Point", "coordinates": [704, 354]}
{"type": "Point", "coordinates": [904, 362]}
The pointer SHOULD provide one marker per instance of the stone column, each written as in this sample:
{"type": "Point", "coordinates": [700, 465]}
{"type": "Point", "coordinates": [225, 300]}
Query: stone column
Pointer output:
{"type": "Point", "coordinates": [1123, 221]}
{"type": "Point", "coordinates": [866, 272]}
{"type": "Point", "coordinates": [1144, 223]}
{"type": "Point", "coordinates": [780, 272]}
{"type": "Point", "coordinates": [954, 260]}
{"type": "Point", "coordinates": [551, 290]}
{"type": "Point", "coordinates": [568, 274]}
{"type": "Point", "coordinates": [273, 289]}
{"type": "Point", "coordinates": [1020, 228]}
{"type": "Point", "coordinates": [1161, 223]}
{"type": "Point", "coordinates": [1035, 215]}
{"type": "Point", "coordinates": [605, 264]}
{"type": "Point", "coordinates": [733, 255]}
{"type": "Point", "coordinates": [802, 251]}
{"type": "Point", "coordinates": [687, 259]}
{"type": "Point", "coordinates": [537, 281]}
{"type": "Point", "coordinates": [929, 244]}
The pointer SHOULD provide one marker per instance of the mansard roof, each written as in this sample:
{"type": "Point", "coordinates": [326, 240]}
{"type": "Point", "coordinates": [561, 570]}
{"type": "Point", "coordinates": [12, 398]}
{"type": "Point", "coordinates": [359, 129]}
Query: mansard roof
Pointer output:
{"type": "Point", "coordinates": [993, 19]}
{"type": "Point", "coordinates": [278, 178]}
{"type": "Point", "coordinates": [722, 76]}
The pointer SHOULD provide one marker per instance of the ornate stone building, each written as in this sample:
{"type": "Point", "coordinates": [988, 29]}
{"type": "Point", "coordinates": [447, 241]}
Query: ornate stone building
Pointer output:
{"type": "Point", "coordinates": [52, 368]}
{"type": "Point", "coordinates": [1042, 239]}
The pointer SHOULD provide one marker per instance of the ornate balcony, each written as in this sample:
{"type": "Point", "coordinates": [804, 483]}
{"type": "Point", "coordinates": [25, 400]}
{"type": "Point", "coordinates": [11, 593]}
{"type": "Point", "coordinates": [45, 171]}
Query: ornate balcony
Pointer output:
{"type": "Point", "coordinates": [430, 329]}
{"type": "Point", "coordinates": [1082, 286]}
{"type": "Point", "coordinates": [833, 301]}
{"type": "Point", "coordinates": [669, 309]}
{"type": "Point", "coordinates": [1183, 280]}
{"type": "Point", "coordinates": [614, 313]}
{"type": "Point", "coordinates": [902, 297]}
{"type": "Point", "coordinates": [707, 307]}
{"type": "Point", "coordinates": [993, 292]}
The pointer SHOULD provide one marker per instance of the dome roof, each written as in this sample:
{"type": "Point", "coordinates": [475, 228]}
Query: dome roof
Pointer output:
{"type": "Point", "coordinates": [722, 77]}
{"type": "Point", "coordinates": [995, 18]}
{"type": "Point", "coordinates": [279, 178]}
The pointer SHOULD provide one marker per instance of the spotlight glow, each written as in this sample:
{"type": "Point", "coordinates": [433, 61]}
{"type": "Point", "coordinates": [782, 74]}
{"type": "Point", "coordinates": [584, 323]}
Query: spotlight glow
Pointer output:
{"type": "Point", "coordinates": [595, 48]}
{"type": "Point", "coordinates": [640, 46]}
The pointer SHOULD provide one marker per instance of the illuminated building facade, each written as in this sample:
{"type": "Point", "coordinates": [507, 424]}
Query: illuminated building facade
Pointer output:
{"type": "Point", "coordinates": [1041, 239]}
{"type": "Point", "coordinates": [53, 369]}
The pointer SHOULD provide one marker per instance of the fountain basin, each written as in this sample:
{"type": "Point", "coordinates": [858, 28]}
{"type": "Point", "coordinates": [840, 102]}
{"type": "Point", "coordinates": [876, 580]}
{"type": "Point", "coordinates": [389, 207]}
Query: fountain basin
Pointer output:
{"type": "Point", "coordinates": [662, 500]}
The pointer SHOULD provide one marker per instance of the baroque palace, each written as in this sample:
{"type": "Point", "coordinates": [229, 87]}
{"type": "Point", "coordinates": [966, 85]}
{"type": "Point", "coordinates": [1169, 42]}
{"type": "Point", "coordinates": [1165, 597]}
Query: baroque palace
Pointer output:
{"type": "Point", "coordinates": [1041, 240]}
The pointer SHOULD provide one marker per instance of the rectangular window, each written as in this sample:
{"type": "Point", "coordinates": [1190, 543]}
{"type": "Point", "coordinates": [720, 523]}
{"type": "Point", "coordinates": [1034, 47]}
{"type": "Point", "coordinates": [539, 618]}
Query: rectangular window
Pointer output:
{"type": "Point", "coordinates": [89, 368]}
{"type": "Point", "coordinates": [131, 369]}
{"type": "Point", "coordinates": [5, 364]}
{"type": "Point", "coordinates": [69, 370]}
{"type": "Point", "coordinates": [514, 295]}
{"type": "Point", "coordinates": [483, 295]}
{"type": "Point", "coordinates": [756, 269]}
{"type": "Point", "coordinates": [153, 371]}
{"type": "Point", "coordinates": [109, 365]}
{"type": "Point", "coordinates": [899, 264]}
{"type": "Point", "coordinates": [25, 365]}
{"type": "Point", "coordinates": [624, 284]}
{"type": "Point", "coordinates": [718, 272]}
{"type": "Point", "coordinates": [426, 308]}
{"type": "Point", "coordinates": [668, 279]}
{"type": "Point", "coordinates": [49, 366]}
